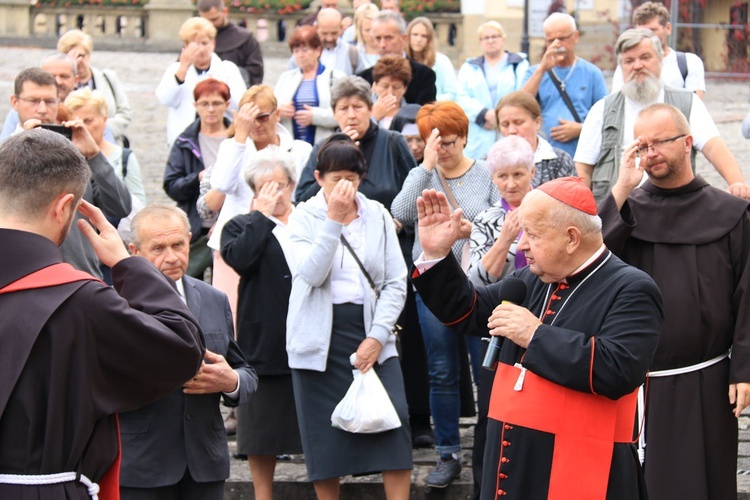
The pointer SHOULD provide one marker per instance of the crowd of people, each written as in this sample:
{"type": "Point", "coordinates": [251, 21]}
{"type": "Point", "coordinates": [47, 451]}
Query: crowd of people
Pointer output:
{"type": "Point", "coordinates": [375, 210]}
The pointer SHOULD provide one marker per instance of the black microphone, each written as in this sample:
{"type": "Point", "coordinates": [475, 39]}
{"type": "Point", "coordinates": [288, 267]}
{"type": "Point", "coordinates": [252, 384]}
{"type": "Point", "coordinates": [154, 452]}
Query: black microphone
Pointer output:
{"type": "Point", "coordinates": [513, 291]}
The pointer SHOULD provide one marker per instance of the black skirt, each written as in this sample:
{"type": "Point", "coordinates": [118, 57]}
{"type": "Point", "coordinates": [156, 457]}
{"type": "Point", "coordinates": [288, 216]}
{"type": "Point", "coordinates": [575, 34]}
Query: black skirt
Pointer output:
{"type": "Point", "coordinates": [331, 452]}
{"type": "Point", "coordinates": [267, 422]}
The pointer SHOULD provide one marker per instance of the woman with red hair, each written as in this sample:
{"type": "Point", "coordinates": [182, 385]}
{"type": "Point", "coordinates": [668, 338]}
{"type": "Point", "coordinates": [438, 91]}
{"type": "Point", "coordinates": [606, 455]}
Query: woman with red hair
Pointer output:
{"type": "Point", "coordinates": [467, 184]}
{"type": "Point", "coordinates": [193, 151]}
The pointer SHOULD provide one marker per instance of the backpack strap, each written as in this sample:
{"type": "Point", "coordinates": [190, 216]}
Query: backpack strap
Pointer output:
{"type": "Point", "coordinates": [125, 157]}
{"type": "Point", "coordinates": [353, 56]}
{"type": "Point", "coordinates": [682, 64]}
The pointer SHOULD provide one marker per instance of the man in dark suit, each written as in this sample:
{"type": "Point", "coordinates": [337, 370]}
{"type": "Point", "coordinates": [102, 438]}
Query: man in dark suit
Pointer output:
{"type": "Point", "coordinates": [389, 31]}
{"type": "Point", "coordinates": [177, 446]}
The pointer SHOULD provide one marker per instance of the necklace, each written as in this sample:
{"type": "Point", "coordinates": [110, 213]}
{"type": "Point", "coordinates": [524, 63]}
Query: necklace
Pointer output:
{"type": "Point", "coordinates": [562, 82]}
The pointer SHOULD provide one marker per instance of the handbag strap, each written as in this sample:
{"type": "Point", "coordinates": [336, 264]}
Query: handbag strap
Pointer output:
{"type": "Point", "coordinates": [448, 191]}
{"type": "Point", "coordinates": [361, 266]}
{"type": "Point", "coordinates": [564, 95]}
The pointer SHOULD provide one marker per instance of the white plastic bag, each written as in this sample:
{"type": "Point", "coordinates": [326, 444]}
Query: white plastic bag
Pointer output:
{"type": "Point", "coordinates": [366, 407]}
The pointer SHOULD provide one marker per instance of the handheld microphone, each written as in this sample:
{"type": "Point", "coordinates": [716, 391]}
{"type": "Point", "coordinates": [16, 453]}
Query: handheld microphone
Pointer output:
{"type": "Point", "coordinates": [512, 290]}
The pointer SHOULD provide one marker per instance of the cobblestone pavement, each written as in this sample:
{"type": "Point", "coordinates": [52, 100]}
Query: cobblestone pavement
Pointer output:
{"type": "Point", "coordinates": [141, 72]}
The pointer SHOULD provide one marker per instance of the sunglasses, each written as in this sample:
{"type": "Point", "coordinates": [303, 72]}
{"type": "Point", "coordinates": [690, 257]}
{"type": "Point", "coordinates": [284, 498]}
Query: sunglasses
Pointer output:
{"type": "Point", "coordinates": [264, 117]}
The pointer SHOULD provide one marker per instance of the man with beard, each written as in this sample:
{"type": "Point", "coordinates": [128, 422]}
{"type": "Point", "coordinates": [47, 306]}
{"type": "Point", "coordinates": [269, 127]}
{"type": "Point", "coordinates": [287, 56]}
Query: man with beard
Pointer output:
{"type": "Point", "coordinates": [681, 70]}
{"type": "Point", "coordinates": [75, 351]}
{"type": "Point", "coordinates": [35, 99]}
{"type": "Point", "coordinates": [694, 241]}
{"type": "Point", "coordinates": [609, 126]}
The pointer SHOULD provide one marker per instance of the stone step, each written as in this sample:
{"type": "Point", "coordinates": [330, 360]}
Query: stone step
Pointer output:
{"type": "Point", "coordinates": [290, 478]}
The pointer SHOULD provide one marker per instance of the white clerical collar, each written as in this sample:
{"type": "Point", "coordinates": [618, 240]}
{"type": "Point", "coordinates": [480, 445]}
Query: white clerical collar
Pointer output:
{"type": "Point", "coordinates": [590, 260]}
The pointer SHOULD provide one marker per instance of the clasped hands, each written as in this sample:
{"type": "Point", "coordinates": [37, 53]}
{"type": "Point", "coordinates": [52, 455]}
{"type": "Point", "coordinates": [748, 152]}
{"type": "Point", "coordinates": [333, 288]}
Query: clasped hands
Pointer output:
{"type": "Point", "coordinates": [215, 375]}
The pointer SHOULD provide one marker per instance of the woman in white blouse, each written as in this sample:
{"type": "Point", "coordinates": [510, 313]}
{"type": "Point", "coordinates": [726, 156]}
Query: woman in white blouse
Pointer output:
{"type": "Point", "coordinates": [197, 61]}
{"type": "Point", "coordinates": [255, 127]}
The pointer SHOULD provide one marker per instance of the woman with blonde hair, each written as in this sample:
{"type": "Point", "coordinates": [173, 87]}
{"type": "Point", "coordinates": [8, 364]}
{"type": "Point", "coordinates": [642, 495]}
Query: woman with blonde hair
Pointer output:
{"type": "Point", "coordinates": [421, 46]}
{"type": "Point", "coordinates": [80, 46]}
{"type": "Point", "coordinates": [91, 107]}
{"type": "Point", "coordinates": [483, 81]}
{"type": "Point", "coordinates": [368, 50]}
{"type": "Point", "coordinates": [197, 61]}
{"type": "Point", "coordinates": [255, 127]}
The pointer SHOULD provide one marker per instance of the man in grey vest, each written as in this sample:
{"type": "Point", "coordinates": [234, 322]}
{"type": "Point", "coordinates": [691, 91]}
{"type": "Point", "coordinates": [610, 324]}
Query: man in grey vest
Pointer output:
{"type": "Point", "coordinates": [609, 125]}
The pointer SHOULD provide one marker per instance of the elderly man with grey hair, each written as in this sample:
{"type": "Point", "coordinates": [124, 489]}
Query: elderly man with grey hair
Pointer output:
{"type": "Point", "coordinates": [389, 31]}
{"type": "Point", "coordinates": [575, 331]}
{"type": "Point", "coordinates": [176, 447]}
{"type": "Point", "coordinates": [608, 129]}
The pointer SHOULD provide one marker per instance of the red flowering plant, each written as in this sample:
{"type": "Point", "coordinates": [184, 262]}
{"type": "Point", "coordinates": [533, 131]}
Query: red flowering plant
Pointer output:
{"type": "Point", "coordinates": [413, 8]}
{"type": "Point", "coordinates": [106, 3]}
{"type": "Point", "coordinates": [281, 7]}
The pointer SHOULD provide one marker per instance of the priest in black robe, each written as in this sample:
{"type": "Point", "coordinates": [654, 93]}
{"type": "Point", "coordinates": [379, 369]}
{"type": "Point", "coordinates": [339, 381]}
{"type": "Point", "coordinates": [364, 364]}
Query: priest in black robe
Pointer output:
{"type": "Point", "coordinates": [694, 240]}
{"type": "Point", "coordinates": [74, 351]}
{"type": "Point", "coordinates": [571, 354]}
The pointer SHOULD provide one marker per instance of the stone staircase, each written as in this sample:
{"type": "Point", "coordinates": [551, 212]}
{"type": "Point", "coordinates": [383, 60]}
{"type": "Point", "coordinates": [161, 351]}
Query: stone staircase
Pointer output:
{"type": "Point", "coordinates": [290, 480]}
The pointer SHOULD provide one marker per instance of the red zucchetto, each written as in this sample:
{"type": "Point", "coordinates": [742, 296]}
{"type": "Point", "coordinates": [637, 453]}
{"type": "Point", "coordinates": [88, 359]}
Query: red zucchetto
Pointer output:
{"type": "Point", "coordinates": [572, 192]}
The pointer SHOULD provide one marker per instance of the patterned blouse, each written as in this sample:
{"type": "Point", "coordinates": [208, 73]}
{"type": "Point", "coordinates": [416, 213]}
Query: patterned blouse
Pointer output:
{"type": "Point", "coordinates": [474, 191]}
{"type": "Point", "coordinates": [486, 229]}
{"type": "Point", "coordinates": [551, 163]}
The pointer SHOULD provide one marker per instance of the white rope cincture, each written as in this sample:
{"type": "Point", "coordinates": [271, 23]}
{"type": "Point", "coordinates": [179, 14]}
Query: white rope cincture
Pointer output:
{"type": "Point", "coordinates": [691, 368]}
{"type": "Point", "coordinates": [667, 373]}
{"type": "Point", "coordinates": [60, 477]}
{"type": "Point", "coordinates": [642, 421]}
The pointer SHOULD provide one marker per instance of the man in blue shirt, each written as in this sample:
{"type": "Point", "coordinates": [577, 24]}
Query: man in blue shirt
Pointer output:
{"type": "Point", "coordinates": [579, 79]}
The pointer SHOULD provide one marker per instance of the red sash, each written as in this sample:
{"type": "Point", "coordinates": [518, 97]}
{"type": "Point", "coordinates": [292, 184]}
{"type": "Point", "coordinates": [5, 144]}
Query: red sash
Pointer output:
{"type": "Point", "coordinates": [61, 274]}
{"type": "Point", "coordinates": [585, 426]}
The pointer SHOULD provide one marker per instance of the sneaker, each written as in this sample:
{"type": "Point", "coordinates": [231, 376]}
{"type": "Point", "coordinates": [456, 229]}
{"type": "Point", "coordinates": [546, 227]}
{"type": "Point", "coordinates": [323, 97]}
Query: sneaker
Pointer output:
{"type": "Point", "coordinates": [444, 472]}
